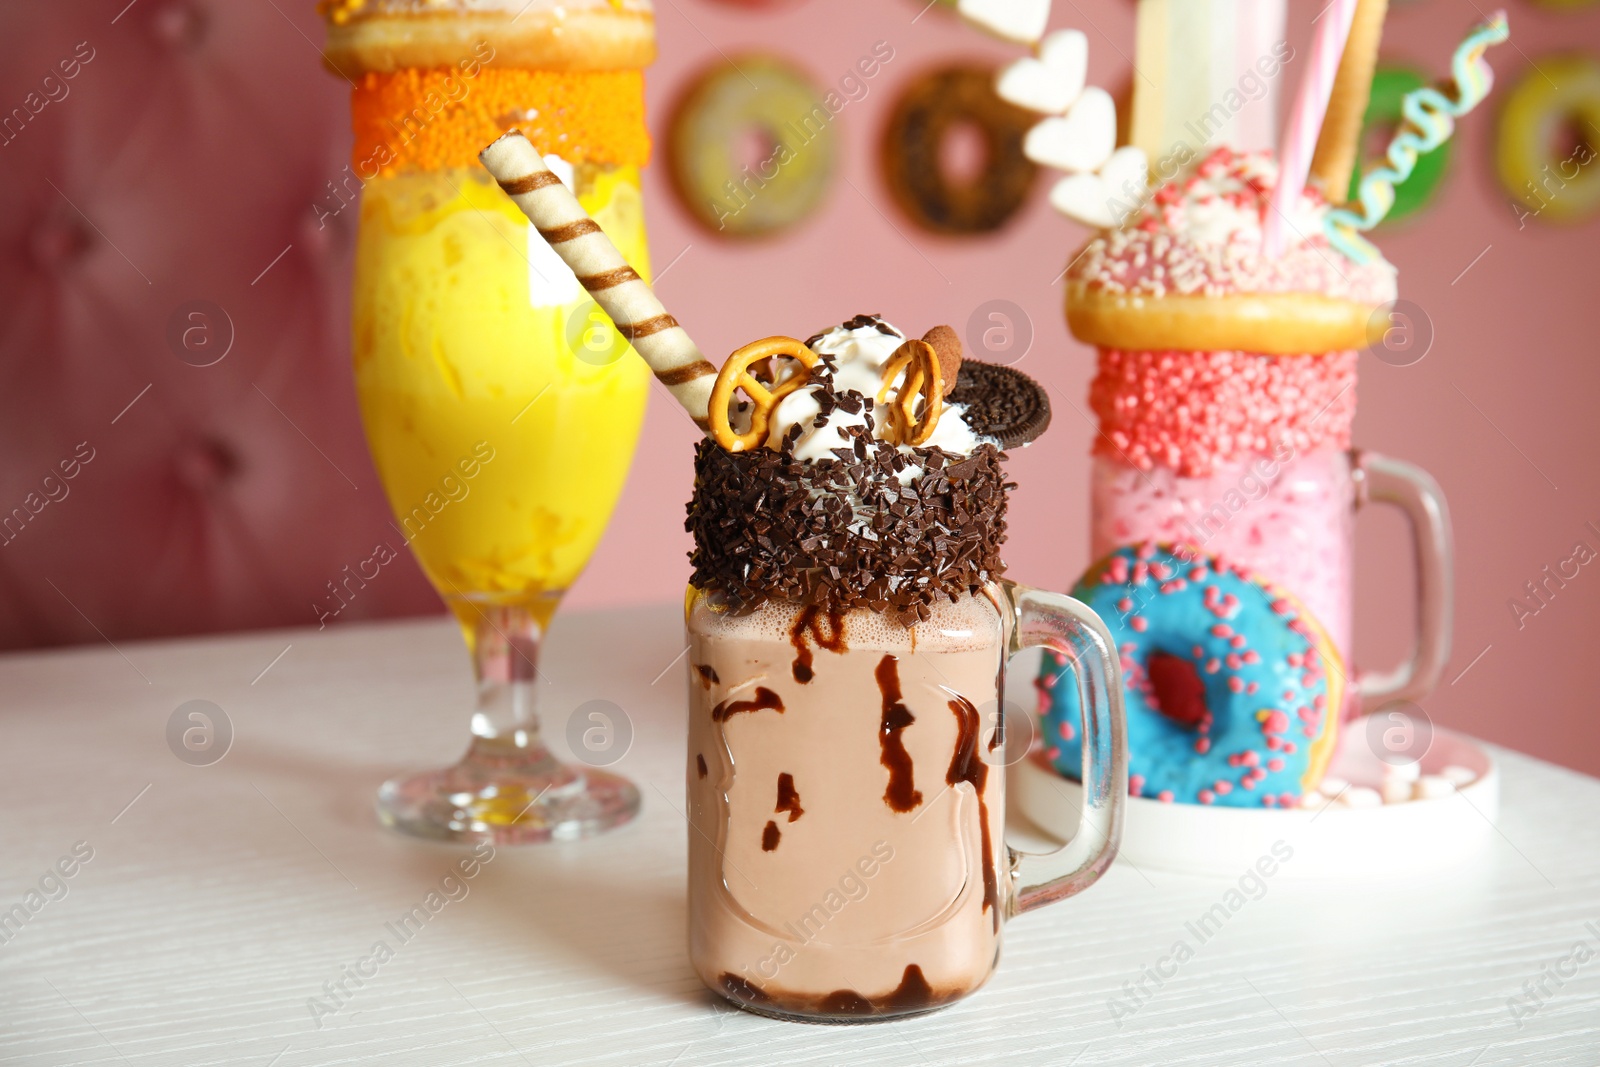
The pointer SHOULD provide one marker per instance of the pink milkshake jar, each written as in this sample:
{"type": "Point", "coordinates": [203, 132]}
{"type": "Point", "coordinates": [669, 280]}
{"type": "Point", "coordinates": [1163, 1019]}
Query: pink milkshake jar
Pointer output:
{"type": "Point", "coordinates": [1225, 392]}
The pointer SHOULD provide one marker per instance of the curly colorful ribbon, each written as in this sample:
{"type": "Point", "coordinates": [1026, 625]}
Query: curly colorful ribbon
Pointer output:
{"type": "Point", "coordinates": [1429, 121]}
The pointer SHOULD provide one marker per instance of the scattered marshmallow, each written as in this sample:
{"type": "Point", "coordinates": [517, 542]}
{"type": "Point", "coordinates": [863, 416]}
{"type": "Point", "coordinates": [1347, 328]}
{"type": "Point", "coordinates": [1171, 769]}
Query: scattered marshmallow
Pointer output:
{"type": "Point", "coordinates": [1395, 791]}
{"type": "Point", "coordinates": [1432, 787]}
{"type": "Point", "coordinates": [1406, 771]}
{"type": "Point", "coordinates": [1314, 799]}
{"type": "Point", "coordinates": [1359, 796]}
{"type": "Point", "coordinates": [1459, 775]}
{"type": "Point", "coordinates": [1333, 786]}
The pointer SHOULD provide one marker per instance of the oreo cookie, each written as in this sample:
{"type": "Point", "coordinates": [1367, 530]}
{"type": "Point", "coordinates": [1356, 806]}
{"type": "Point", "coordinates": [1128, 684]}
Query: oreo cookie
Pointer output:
{"type": "Point", "coordinates": [1001, 402]}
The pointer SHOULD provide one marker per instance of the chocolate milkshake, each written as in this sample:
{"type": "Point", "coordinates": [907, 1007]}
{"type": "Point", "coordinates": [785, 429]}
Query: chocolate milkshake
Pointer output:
{"type": "Point", "coordinates": [852, 856]}
{"type": "Point", "coordinates": [848, 637]}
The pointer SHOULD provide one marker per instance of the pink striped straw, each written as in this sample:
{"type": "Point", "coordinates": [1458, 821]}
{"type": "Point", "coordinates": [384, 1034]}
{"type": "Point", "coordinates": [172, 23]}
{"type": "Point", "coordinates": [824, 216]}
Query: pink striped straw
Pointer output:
{"type": "Point", "coordinates": [1305, 122]}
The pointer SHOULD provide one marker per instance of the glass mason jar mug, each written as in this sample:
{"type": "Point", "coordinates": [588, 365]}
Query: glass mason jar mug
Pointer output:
{"type": "Point", "coordinates": [846, 788]}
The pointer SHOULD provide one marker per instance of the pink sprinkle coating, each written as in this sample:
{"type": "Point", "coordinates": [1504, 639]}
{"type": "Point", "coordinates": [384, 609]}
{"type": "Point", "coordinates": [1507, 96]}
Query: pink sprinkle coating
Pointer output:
{"type": "Point", "coordinates": [1201, 234]}
{"type": "Point", "coordinates": [1192, 411]}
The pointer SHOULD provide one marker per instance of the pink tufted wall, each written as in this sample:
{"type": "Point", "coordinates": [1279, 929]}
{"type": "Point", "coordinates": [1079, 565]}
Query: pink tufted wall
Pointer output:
{"type": "Point", "coordinates": [190, 149]}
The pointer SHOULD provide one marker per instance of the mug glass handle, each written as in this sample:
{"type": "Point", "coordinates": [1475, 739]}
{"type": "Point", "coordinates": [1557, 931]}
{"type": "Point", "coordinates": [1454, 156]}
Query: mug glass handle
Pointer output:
{"type": "Point", "coordinates": [1413, 491]}
{"type": "Point", "coordinates": [1059, 623]}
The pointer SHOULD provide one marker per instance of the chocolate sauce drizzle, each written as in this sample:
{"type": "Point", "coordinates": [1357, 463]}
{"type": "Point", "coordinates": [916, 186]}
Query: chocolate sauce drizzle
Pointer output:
{"type": "Point", "coordinates": [788, 798]}
{"type": "Point", "coordinates": [700, 764]}
{"type": "Point", "coordinates": [967, 766]}
{"type": "Point", "coordinates": [808, 621]}
{"type": "Point", "coordinates": [913, 994]}
{"type": "Point", "coordinates": [764, 700]}
{"type": "Point", "coordinates": [901, 794]}
{"type": "Point", "coordinates": [770, 837]}
{"type": "Point", "coordinates": [708, 675]}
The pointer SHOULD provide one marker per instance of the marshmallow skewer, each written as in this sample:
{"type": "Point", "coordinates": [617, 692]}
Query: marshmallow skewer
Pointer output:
{"type": "Point", "coordinates": [552, 209]}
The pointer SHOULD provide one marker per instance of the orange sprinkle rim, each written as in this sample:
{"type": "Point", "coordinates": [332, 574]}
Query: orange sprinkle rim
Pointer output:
{"type": "Point", "coordinates": [440, 118]}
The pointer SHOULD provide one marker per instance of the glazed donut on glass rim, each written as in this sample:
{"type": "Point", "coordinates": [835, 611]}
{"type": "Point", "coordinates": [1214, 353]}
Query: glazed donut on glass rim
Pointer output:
{"type": "Point", "coordinates": [556, 35]}
{"type": "Point", "coordinates": [1186, 273]}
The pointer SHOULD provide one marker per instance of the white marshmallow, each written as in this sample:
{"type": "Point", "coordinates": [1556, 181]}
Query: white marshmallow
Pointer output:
{"type": "Point", "coordinates": [1031, 84]}
{"type": "Point", "coordinates": [1081, 141]}
{"type": "Point", "coordinates": [1459, 775]}
{"type": "Point", "coordinates": [1084, 198]}
{"type": "Point", "coordinates": [1015, 20]}
{"type": "Point", "coordinates": [1395, 792]}
{"type": "Point", "coordinates": [1431, 787]}
{"type": "Point", "coordinates": [1127, 178]}
{"type": "Point", "coordinates": [1407, 771]}
{"type": "Point", "coordinates": [1359, 796]}
{"type": "Point", "coordinates": [1333, 786]}
{"type": "Point", "coordinates": [1066, 53]}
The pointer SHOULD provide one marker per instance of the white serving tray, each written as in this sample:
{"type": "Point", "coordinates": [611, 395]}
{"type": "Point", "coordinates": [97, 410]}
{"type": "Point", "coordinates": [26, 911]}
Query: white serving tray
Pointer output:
{"type": "Point", "coordinates": [1417, 836]}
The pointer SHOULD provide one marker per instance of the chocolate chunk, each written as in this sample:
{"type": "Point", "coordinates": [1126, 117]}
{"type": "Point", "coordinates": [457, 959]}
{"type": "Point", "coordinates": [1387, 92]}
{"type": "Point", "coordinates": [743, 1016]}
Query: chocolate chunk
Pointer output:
{"type": "Point", "coordinates": [947, 344]}
{"type": "Point", "coordinates": [1001, 402]}
{"type": "Point", "coordinates": [856, 323]}
{"type": "Point", "coordinates": [767, 526]}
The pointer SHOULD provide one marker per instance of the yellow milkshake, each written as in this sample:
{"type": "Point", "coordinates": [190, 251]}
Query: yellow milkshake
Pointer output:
{"type": "Point", "coordinates": [500, 404]}
{"type": "Point", "coordinates": [502, 428]}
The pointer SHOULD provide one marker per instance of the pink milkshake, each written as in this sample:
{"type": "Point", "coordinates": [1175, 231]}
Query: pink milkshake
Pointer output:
{"type": "Point", "coordinates": [1226, 383]}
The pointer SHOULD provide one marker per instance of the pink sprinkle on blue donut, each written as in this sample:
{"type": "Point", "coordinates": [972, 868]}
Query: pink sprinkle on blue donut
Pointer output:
{"type": "Point", "coordinates": [1227, 689]}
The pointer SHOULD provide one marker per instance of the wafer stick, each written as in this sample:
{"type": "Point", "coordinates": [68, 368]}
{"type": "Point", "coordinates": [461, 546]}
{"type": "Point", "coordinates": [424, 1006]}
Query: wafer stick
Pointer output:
{"type": "Point", "coordinates": [671, 355]}
{"type": "Point", "coordinates": [1339, 143]}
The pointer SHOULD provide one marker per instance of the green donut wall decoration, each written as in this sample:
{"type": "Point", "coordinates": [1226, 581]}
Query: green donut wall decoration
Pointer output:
{"type": "Point", "coordinates": [1389, 88]}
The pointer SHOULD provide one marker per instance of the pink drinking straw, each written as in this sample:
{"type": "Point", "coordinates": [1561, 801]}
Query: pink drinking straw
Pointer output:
{"type": "Point", "coordinates": [1305, 122]}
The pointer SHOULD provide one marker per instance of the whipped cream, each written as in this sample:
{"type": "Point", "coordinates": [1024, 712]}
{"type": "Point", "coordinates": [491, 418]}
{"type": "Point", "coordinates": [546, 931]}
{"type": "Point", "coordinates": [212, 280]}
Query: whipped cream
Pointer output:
{"type": "Point", "coordinates": [858, 357]}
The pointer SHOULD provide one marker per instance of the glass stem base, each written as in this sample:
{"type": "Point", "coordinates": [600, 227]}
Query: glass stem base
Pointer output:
{"type": "Point", "coordinates": [501, 795]}
{"type": "Point", "coordinates": [508, 788]}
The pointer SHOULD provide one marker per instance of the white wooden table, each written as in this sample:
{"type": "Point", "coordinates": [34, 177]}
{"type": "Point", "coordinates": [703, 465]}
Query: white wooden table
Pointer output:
{"type": "Point", "coordinates": [220, 899]}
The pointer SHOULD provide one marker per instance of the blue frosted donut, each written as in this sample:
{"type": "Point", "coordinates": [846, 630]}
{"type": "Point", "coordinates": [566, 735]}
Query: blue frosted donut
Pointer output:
{"type": "Point", "coordinates": [1229, 697]}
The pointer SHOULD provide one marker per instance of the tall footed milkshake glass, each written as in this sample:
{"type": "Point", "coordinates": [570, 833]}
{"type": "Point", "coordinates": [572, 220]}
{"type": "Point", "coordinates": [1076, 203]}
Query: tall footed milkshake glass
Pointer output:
{"type": "Point", "coordinates": [1225, 393]}
{"type": "Point", "coordinates": [849, 630]}
{"type": "Point", "coordinates": [500, 406]}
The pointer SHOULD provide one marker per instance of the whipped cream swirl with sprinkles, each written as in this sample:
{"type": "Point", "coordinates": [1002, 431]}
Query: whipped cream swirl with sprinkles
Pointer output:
{"type": "Point", "coordinates": [1202, 236]}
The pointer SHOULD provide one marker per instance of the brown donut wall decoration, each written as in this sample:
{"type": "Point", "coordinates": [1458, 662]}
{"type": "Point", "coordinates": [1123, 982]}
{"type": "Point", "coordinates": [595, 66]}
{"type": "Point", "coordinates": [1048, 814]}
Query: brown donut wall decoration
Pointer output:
{"type": "Point", "coordinates": [931, 107]}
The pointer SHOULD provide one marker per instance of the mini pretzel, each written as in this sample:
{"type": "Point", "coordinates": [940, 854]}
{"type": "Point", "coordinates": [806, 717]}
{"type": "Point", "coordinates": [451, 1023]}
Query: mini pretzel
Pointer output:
{"type": "Point", "coordinates": [923, 378]}
{"type": "Point", "coordinates": [735, 375]}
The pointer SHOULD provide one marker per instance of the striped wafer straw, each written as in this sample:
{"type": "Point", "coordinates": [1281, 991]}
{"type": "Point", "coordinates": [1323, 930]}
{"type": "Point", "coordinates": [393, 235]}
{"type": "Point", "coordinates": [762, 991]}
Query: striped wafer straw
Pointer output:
{"type": "Point", "coordinates": [674, 359]}
{"type": "Point", "coordinates": [1339, 143]}
{"type": "Point", "coordinates": [1305, 123]}
{"type": "Point", "coordinates": [1429, 119]}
